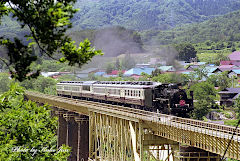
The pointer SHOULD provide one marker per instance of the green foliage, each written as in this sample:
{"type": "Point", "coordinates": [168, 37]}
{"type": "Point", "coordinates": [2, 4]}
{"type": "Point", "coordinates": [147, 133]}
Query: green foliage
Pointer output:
{"type": "Point", "coordinates": [220, 80]}
{"type": "Point", "coordinates": [186, 51]}
{"type": "Point", "coordinates": [110, 68]}
{"type": "Point", "coordinates": [203, 91]}
{"type": "Point", "coordinates": [47, 23]}
{"type": "Point", "coordinates": [68, 78]}
{"type": "Point", "coordinates": [231, 122]}
{"type": "Point", "coordinates": [156, 72]}
{"type": "Point", "coordinates": [4, 82]}
{"type": "Point", "coordinates": [25, 125]}
{"type": "Point", "coordinates": [128, 62]}
{"type": "Point", "coordinates": [171, 78]}
{"type": "Point", "coordinates": [221, 28]}
{"type": "Point", "coordinates": [201, 108]}
{"type": "Point", "coordinates": [237, 106]}
{"type": "Point", "coordinates": [148, 15]}
{"type": "Point", "coordinates": [117, 64]}
{"type": "Point", "coordinates": [41, 84]}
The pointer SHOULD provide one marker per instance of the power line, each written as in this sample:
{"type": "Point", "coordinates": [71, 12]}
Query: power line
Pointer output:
{"type": "Point", "coordinates": [230, 140]}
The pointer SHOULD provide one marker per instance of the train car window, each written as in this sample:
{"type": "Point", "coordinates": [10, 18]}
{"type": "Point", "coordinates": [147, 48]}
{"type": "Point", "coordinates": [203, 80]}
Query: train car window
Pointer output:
{"type": "Point", "coordinates": [86, 88]}
{"type": "Point", "coordinates": [139, 94]}
{"type": "Point", "coordinates": [67, 88]}
{"type": "Point", "coordinates": [59, 87]}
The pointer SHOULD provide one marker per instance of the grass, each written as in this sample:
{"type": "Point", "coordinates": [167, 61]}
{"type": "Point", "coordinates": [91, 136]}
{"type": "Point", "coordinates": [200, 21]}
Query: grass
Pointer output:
{"type": "Point", "coordinates": [231, 122]}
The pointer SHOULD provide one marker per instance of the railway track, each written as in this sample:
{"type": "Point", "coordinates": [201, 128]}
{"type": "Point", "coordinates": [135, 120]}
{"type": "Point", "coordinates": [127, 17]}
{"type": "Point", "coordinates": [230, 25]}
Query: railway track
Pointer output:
{"type": "Point", "coordinates": [216, 130]}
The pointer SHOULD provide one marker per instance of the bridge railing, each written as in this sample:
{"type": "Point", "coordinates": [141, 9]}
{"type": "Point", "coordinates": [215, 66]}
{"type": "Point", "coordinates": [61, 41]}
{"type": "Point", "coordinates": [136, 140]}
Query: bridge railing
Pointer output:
{"type": "Point", "coordinates": [191, 123]}
{"type": "Point", "coordinates": [150, 116]}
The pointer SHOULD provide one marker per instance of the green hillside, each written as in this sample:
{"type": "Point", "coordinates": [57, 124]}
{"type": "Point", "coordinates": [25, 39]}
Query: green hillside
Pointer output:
{"type": "Point", "coordinates": [222, 28]}
{"type": "Point", "coordinates": [148, 14]}
{"type": "Point", "coordinates": [10, 28]}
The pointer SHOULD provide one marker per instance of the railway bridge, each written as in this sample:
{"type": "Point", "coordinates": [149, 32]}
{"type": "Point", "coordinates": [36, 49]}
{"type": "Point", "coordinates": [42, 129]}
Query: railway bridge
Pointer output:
{"type": "Point", "coordinates": [98, 131]}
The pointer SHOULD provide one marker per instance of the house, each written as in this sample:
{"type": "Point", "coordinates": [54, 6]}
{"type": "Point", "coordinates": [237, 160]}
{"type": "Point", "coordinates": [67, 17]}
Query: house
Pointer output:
{"type": "Point", "coordinates": [99, 73]}
{"type": "Point", "coordinates": [85, 73]}
{"type": "Point", "coordinates": [228, 95]}
{"type": "Point", "coordinates": [55, 75]}
{"type": "Point", "coordinates": [138, 71]}
{"type": "Point", "coordinates": [211, 69]}
{"type": "Point", "coordinates": [195, 65]}
{"type": "Point", "coordinates": [223, 68]}
{"type": "Point", "coordinates": [49, 74]}
{"type": "Point", "coordinates": [228, 62]}
{"type": "Point", "coordinates": [114, 73]}
{"type": "Point", "coordinates": [235, 58]}
{"type": "Point", "coordinates": [234, 72]}
{"type": "Point", "coordinates": [143, 65]}
{"type": "Point", "coordinates": [167, 68]}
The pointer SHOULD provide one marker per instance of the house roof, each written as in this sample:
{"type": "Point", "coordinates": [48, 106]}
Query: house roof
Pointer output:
{"type": "Point", "coordinates": [226, 62]}
{"type": "Point", "coordinates": [235, 55]}
{"type": "Point", "coordinates": [86, 71]}
{"type": "Point", "coordinates": [230, 90]}
{"type": "Point", "coordinates": [49, 74]}
{"type": "Point", "coordinates": [165, 68]}
{"type": "Point", "coordinates": [237, 71]}
{"type": "Point", "coordinates": [99, 73]}
{"type": "Point", "coordinates": [226, 66]}
{"type": "Point", "coordinates": [211, 69]}
{"type": "Point", "coordinates": [138, 71]}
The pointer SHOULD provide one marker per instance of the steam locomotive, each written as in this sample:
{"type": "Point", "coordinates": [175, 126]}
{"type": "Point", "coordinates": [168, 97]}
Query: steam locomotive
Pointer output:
{"type": "Point", "coordinates": [147, 95]}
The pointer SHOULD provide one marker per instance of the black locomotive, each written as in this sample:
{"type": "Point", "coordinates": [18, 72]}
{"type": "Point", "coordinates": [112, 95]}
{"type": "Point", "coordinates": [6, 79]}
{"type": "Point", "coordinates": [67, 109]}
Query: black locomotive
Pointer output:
{"type": "Point", "coordinates": [152, 96]}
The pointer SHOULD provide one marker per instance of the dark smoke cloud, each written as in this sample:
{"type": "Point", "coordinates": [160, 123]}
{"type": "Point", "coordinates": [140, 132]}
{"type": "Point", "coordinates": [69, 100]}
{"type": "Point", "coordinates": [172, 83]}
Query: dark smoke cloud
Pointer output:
{"type": "Point", "coordinates": [117, 40]}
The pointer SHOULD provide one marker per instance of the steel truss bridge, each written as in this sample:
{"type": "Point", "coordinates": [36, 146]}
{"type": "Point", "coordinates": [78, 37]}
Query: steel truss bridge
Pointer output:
{"type": "Point", "coordinates": [98, 131]}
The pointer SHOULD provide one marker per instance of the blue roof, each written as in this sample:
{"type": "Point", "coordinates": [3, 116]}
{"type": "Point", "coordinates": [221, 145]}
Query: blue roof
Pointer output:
{"type": "Point", "coordinates": [165, 68]}
{"type": "Point", "coordinates": [99, 73]}
{"type": "Point", "coordinates": [211, 69]}
{"type": "Point", "coordinates": [237, 71]}
{"type": "Point", "coordinates": [201, 63]}
{"type": "Point", "coordinates": [138, 71]}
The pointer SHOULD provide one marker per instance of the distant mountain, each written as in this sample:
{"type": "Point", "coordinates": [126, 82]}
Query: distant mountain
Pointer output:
{"type": "Point", "coordinates": [222, 28]}
{"type": "Point", "coordinates": [148, 14]}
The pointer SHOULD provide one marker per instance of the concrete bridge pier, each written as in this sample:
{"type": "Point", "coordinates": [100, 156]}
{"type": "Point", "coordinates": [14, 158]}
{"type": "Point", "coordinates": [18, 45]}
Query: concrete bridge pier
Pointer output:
{"type": "Point", "coordinates": [83, 138]}
{"type": "Point", "coordinates": [72, 135]}
{"type": "Point", "coordinates": [62, 128]}
{"type": "Point", "coordinates": [73, 130]}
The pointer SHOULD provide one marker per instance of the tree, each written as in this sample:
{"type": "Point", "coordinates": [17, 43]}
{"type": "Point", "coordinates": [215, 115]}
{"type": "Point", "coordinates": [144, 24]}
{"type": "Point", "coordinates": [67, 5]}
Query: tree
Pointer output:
{"type": "Point", "coordinates": [4, 82]}
{"type": "Point", "coordinates": [41, 84]}
{"type": "Point", "coordinates": [203, 91]}
{"type": "Point", "coordinates": [220, 57]}
{"type": "Point", "coordinates": [47, 22]}
{"type": "Point", "coordinates": [25, 125]}
{"type": "Point", "coordinates": [117, 64]}
{"type": "Point", "coordinates": [156, 72]}
{"type": "Point", "coordinates": [204, 94]}
{"type": "Point", "coordinates": [128, 62]}
{"type": "Point", "coordinates": [110, 68]}
{"type": "Point", "coordinates": [186, 51]}
{"type": "Point", "coordinates": [201, 108]}
{"type": "Point", "coordinates": [220, 80]}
